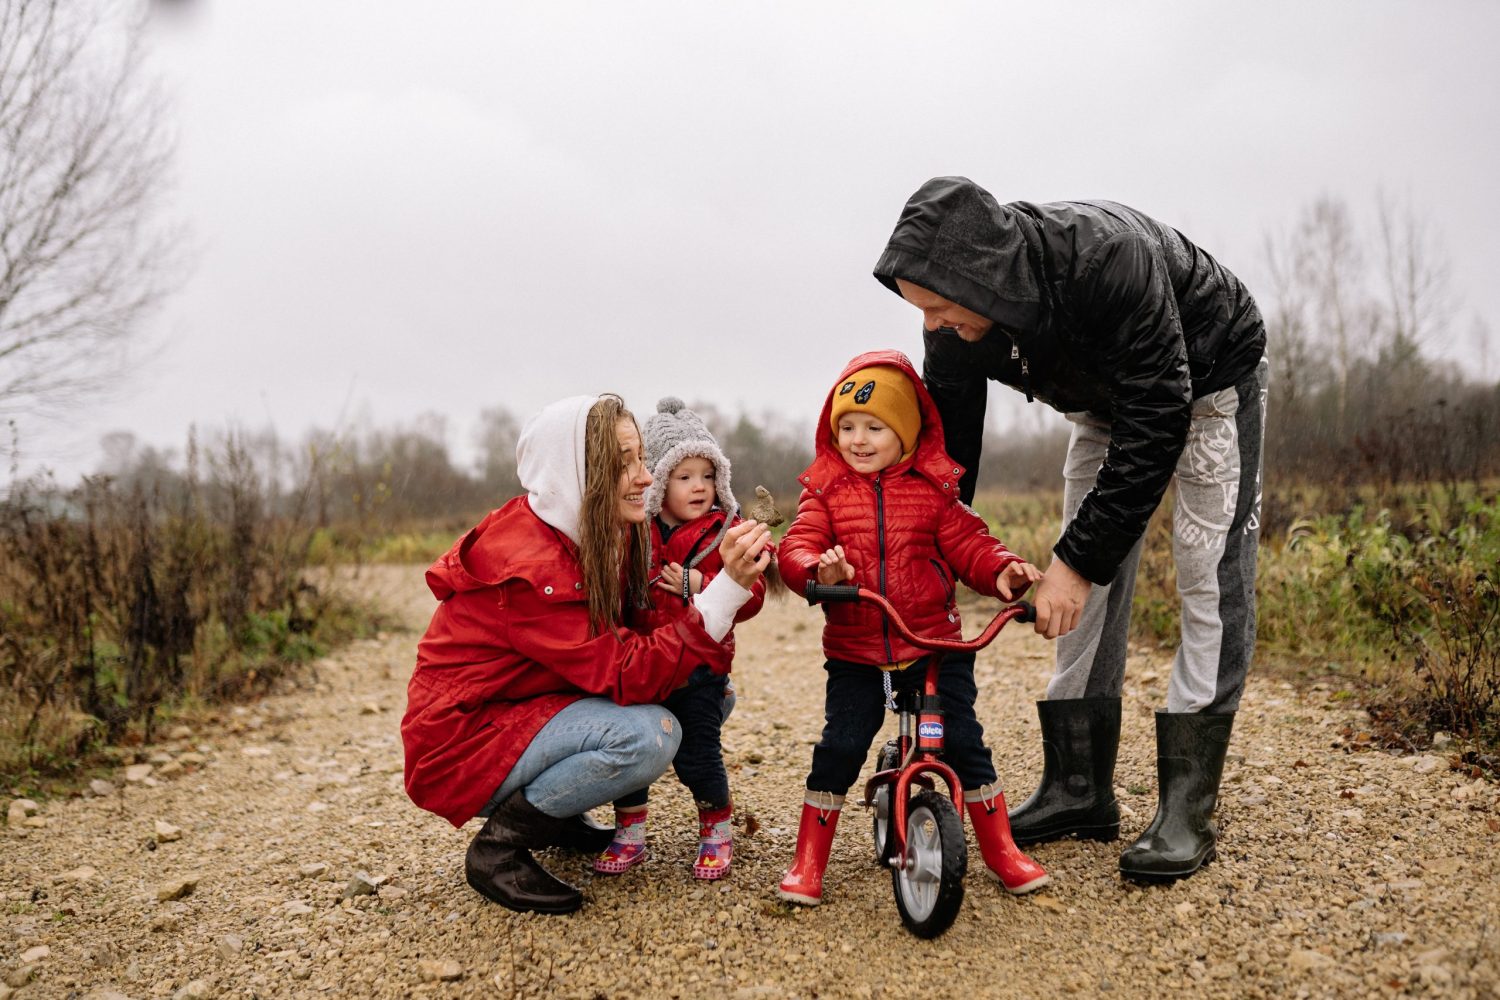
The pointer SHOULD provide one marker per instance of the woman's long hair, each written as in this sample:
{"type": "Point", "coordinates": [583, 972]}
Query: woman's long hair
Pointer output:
{"type": "Point", "coordinates": [615, 561]}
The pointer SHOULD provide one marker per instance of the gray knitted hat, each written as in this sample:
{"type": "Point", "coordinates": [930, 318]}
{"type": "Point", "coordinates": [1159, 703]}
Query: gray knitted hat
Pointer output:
{"type": "Point", "coordinates": [670, 435]}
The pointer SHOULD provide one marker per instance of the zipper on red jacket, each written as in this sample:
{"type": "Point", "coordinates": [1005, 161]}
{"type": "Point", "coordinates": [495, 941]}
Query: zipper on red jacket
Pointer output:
{"type": "Point", "coordinates": [885, 626]}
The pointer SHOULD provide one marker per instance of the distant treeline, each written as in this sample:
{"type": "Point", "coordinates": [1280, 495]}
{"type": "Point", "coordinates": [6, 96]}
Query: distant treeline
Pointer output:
{"type": "Point", "coordinates": [370, 480]}
{"type": "Point", "coordinates": [1356, 322]}
{"type": "Point", "coordinates": [1358, 397]}
{"type": "Point", "coordinates": [1414, 422]}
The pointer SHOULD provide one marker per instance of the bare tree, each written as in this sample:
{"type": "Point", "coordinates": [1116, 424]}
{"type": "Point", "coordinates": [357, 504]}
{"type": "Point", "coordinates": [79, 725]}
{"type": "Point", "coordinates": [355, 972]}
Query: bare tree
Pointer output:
{"type": "Point", "coordinates": [1328, 254]}
{"type": "Point", "coordinates": [84, 152]}
{"type": "Point", "coordinates": [1420, 302]}
{"type": "Point", "coordinates": [1292, 349]}
{"type": "Point", "coordinates": [1479, 333]}
{"type": "Point", "coordinates": [1357, 395]}
{"type": "Point", "coordinates": [496, 438]}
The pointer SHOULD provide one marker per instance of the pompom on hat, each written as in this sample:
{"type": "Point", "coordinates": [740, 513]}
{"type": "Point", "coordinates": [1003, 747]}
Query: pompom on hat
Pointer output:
{"type": "Point", "coordinates": [670, 435]}
{"type": "Point", "coordinates": [886, 394]}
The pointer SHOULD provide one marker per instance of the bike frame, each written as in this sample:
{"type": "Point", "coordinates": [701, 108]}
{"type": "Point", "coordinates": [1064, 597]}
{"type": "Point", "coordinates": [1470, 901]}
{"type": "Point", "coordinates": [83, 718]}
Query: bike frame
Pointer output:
{"type": "Point", "coordinates": [919, 757]}
{"type": "Point", "coordinates": [920, 750]}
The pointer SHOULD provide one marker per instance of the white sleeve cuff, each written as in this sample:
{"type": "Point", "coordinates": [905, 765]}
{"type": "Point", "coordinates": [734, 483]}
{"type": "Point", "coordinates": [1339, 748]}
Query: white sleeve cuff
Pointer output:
{"type": "Point", "coordinates": [718, 604]}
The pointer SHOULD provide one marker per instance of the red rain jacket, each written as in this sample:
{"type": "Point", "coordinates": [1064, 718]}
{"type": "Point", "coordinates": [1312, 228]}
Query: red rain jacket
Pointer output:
{"type": "Point", "coordinates": [903, 530]}
{"type": "Point", "coordinates": [509, 648]}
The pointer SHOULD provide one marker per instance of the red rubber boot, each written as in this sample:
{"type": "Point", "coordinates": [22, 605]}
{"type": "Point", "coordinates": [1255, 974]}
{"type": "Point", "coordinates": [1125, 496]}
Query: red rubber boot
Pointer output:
{"type": "Point", "coordinates": [1003, 860]}
{"type": "Point", "coordinates": [803, 881]}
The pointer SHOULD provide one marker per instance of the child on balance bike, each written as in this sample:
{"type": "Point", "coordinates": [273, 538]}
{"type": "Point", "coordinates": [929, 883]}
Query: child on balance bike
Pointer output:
{"type": "Point", "coordinates": [880, 508]}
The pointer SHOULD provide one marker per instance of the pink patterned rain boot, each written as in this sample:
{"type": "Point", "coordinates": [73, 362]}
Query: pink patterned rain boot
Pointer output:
{"type": "Point", "coordinates": [628, 848]}
{"type": "Point", "coordinates": [715, 843]}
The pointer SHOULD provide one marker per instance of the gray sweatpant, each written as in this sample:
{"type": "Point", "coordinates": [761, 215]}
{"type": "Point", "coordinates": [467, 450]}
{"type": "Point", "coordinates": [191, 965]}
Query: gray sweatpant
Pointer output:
{"type": "Point", "coordinates": [1215, 529]}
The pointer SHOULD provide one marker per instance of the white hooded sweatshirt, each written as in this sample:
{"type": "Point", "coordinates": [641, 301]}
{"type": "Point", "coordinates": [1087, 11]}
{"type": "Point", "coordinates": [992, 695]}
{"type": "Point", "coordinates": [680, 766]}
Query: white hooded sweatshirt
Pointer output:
{"type": "Point", "coordinates": [550, 463]}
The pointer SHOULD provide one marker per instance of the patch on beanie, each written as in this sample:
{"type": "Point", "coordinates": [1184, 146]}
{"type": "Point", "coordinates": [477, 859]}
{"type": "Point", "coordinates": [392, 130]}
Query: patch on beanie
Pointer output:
{"type": "Point", "coordinates": [865, 392]}
{"type": "Point", "coordinates": [847, 388]}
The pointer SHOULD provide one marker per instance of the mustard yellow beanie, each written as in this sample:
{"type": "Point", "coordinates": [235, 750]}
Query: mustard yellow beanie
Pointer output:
{"type": "Point", "coordinates": [887, 395]}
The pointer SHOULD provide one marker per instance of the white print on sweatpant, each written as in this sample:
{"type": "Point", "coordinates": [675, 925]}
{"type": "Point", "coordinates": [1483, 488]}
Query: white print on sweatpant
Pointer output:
{"type": "Point", "coordinates": [1252, 523]}
{"type": "Point", "coordinates": [1208, 476]}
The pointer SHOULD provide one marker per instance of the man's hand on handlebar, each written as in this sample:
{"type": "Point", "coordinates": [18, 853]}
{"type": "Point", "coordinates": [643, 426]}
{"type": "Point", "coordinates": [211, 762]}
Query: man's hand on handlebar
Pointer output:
{"type": "Point", "coordinates": [833, 567]}
{"type": "Point", "coordinates": [1015, 578]}
{"type": "Point", "coordinates": [746, 551]}
{"type": "Point", "coordinates": [1059, 600]}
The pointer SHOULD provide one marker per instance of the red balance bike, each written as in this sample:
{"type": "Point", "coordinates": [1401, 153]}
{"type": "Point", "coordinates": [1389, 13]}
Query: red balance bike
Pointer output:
{"type": "Point", "coordinates": [919, 833]}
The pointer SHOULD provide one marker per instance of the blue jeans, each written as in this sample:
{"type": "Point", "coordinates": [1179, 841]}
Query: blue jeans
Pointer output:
{"type": "Point", "coordinates": [590, 753]}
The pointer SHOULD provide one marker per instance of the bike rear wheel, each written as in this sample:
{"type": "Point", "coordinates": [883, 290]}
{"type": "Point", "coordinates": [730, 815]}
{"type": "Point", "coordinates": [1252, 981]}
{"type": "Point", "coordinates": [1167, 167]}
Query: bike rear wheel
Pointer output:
{"type": "Point", "coordinates": [887, 759]}
{"type": "Point", "coordinates": [929, 888]}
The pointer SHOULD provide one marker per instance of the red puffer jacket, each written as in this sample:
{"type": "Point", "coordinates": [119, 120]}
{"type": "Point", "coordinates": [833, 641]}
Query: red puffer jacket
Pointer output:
{"type": "Point", "coordinates": [509, 648]}
{"type": "Point", "coordinates": [903, 530]}
{"type": "Point", "coordinates": [681, 545]}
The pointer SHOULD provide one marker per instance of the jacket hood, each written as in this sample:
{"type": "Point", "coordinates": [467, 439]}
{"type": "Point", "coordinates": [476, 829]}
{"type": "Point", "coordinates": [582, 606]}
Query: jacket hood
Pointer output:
{"type": "Point", "coordinates": [931, 457]}
{"type": "Point", "coordinates": [955, 239]}
{"type": "Point", "coordinates": [510, 542]}
{"type": "Point", "coordinates": [550, 462]}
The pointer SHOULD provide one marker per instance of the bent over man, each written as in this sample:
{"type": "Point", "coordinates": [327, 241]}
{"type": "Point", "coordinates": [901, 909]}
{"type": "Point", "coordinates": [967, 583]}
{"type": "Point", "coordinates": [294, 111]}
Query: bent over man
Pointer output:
{"type": "Point", "coordinates": [1156, 354]}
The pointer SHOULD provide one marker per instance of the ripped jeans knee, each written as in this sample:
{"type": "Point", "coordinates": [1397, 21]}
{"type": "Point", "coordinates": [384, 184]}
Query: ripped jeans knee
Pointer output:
{"type": "Point", "coordinates": [593, 752]}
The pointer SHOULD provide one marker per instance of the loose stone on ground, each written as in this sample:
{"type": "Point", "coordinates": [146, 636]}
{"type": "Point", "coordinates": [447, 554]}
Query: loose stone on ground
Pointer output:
{"type": "Point", "coordinates": [1341, 870]}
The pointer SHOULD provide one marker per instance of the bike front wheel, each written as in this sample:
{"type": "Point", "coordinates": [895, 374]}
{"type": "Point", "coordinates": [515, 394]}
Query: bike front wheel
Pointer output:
{"type": "Point", "coordinates": [929, 887]}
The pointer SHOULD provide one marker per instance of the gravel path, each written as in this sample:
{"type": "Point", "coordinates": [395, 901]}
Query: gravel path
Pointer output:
{"type": "Point", "coordinates": [276, 855]}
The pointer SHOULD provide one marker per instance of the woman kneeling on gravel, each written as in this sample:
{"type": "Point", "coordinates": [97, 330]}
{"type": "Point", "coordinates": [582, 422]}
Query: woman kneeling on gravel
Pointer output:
{"type": "Point", "coordinates": [532, 700]}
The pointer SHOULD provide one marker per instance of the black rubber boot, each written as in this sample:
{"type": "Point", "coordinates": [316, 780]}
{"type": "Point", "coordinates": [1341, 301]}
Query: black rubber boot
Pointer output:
{"type": "Point", "coordinates": [1190, 750]}
{"type": "Point", "coordinates": [581, 833]}
{"type": "Point", "coordinates": [500, 867]}
{"type": "Point", "coordinates": [1076, 797]}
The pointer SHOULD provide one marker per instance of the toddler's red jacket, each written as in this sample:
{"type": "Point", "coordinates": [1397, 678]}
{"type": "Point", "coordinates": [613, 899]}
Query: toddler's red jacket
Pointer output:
{"type": "Point", "coordinates": [681, 546]}
{"type": "Point", "coordinates": [904, 531]}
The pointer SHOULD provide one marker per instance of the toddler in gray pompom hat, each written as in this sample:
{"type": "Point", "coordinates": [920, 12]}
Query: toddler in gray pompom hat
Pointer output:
{"type": "Point", "coordinates": [670, 435]}
{"type": "Point", "coordinates": [690, 507]}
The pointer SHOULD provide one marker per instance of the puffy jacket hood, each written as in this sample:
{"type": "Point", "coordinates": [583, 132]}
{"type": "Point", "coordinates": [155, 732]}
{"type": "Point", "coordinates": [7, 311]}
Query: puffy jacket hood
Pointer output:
{"type": "Point", "coordinates": [955, 239]}
{"type": "Point", "coordinates": [931, 457]}
{"type": "Point", "coordinates": [1105, 310]}
{"type": "Point", "coordinates": [550, 462]}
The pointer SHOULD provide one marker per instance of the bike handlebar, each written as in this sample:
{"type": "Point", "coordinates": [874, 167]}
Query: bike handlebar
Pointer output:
{"type": "Point", "coordinates": [817, 593]}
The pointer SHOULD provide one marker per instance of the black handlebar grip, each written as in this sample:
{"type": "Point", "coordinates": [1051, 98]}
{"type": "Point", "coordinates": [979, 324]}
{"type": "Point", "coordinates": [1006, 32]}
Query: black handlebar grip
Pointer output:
{"type": "Point", "coordinates": [817, 592]}
{"type": "Point", "coordinates": [1028, 613]}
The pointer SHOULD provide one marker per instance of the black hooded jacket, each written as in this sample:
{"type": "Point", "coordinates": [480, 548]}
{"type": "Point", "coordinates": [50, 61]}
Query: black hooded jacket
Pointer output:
{"type": "Point", "coordinates": [1096, 307]}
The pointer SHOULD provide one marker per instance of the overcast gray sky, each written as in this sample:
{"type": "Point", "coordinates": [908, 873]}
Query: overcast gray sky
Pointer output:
{"type": "Point", "coordinates": [450, 206]}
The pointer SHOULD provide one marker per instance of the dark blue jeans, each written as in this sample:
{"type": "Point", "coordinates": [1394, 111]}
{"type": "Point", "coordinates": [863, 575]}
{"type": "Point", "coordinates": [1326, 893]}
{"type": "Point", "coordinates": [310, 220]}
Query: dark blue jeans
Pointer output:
{"type": "Point", "coordinates": [701, 708]}
{"type": "Point", "coordinates": [854, 709]}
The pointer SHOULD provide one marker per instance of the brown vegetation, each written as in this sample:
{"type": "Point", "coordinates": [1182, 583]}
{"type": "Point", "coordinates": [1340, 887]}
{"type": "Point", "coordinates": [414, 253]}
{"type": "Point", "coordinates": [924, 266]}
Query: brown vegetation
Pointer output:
{"type": "Point", "coordinates": [123, 598]}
